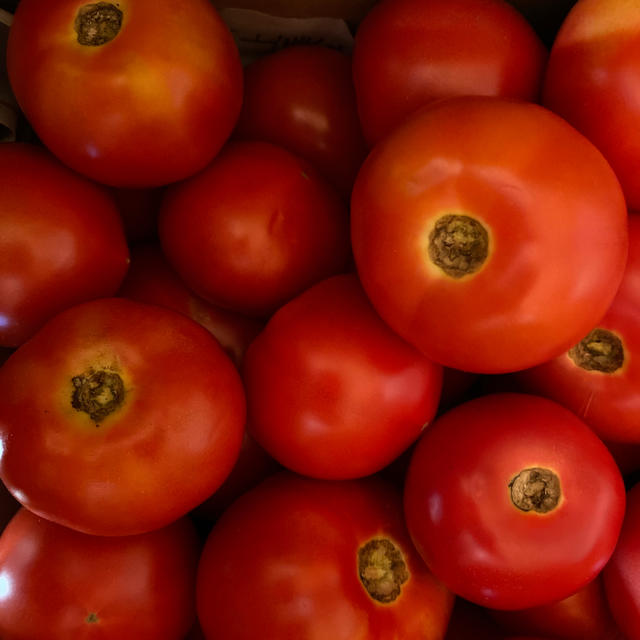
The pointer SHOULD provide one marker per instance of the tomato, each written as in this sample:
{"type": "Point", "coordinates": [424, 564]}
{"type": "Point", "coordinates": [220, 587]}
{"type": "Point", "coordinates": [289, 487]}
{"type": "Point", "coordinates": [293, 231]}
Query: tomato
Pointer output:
{"type": "Point", "coordinates": [592, 79]}
{"type": "Point", "coordinates": [151, 279]}
{"type": "Point", "coordinates": [118, 417]}
{"type": "Point", "coordinates": [498, 479]}
{"type": "Point", "coordinates": [584, 615]}
{"type": "Point", "coordinates": [302, 559]}
{"type": "Point", "coordinates": [408, 53]}
{"type": "Point", "coordinates": [58, 584]}
{"type": "Point", "coordinates": [332, 392]}
{"type": "Point", "coordinates": [302, 98]}
{"type": "Point", "coordinates": [489, 233]}
{"type": "Point", "coordinates": [622, 573]}
{"type": "Point", "coordinates": [599, 377]}
{"type": "Point", "coordinates": [130, 93]}
{"type": "Point", "coordinates": [61, 241]}
{"type": "Point", "coordinates": [254, 229]}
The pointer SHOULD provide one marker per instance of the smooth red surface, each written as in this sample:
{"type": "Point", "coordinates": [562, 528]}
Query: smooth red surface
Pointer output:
{"type": "Point", "coordinates": [332, 392]}
{"type": "Point", "coordinates": [152, 106]}
{"type": "Point", "coordinates": [254, 229]}
{"type": "Point", "coordinates": [169, 445]}
{"type": "Point", "coordinates": [555, 217]}
{"type": "Point", "coordinates": [281, 564]}
{"type": "Point", "coordinates": [138, 587]}
{"type": "Point", "coordinates": [61, 241]}
{"type": "Point", "coordinates": [302, 98]}
{"type": "Point", "coordinates": [592, 78]}
{"type": "Point", "coordinates": [408, 53]}
{"type": "Point", "coordinates": [460, 514]}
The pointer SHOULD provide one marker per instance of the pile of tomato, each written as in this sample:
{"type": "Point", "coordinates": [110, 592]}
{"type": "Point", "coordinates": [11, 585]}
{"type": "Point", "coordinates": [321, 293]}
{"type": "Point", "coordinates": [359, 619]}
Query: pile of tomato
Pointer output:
{"type": "Point", "coordinates": [328, 346]}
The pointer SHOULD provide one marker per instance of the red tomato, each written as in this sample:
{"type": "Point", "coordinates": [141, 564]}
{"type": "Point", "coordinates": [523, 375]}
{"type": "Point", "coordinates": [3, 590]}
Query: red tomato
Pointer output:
{"type": "Point", "coordinates": [61, 241]}
{"type": "Point", "coordinates": [592, 79]}
{"type": "Point", "coordinates": [59, 584]}
{"type": "Point", "coordinates": [302, 98]}
{"type": "Point", "coordinates": [302, 559]}
{"type": "Point", "coordinates": [408, 53]}
{"type": "Point", "coordinates": [585, 615]}
{"type": "Point", "coordinates": [151, 279]}
{"type": "Point", "coordinates": [332, 392]}
{"type": "Point", "coordinates": [599, 377]}
{"type": "Point", "coordinates": [512, 501]}
{"type": "Point", "coordinates": [622, 573]}
{"type": "Point", "coordinates": [133, 93]}
{"type": "Point", "coordinates": [489, 233]}
{"type": "Point", "coordinates": [254, 229]}
{"type": "Point", "coordinates": [118, 417]}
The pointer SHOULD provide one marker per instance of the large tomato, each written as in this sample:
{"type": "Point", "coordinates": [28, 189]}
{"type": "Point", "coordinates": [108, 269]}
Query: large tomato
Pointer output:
{"type": "Point", "coordinates": [592, 81]}
{"type": "Point", "coordinates": [131, 93]}
{"type": "Point", "coordinates": [118, 417]}
{"type": "Point", "coordinates": [61, 241]}
{"type": "Point", "coordinates": [512, 501]}
{"type": "Point", "coordinates": [302, 559]}
{"type": "Point", "coordinates": [332, 392]}
{"type": "Point", "coordinates": [58, 584]}
{"type": "Point", "coordinates": [489, 233]}
{"type": "Point", "coordinates": [408, 53]}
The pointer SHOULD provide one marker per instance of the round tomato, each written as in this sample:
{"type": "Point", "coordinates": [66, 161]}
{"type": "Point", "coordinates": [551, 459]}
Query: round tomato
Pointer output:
{"type": "Point", "coordinates": [56, 583]}
{"type": "Point", "coordinates": [592, 79]}
{"type": "Point", "coordinates": [254, 229]}
{"type": "Point", "coordinates": [332, 392]}
{"type": "Point", "coordinates": [118, 417]}
{"type": "Point", "coordinates": [512, 501]}
{"type": "Point", "coordinates": [410, 52]}
{"type": "Point", "coordinates": [61, 241]}
{"type": "Point", "coordinates": [302, 98]}
{"type": "Point", "coordinates": [305, 559]}
{"type": "Point", "coordinates": [489, 233]}
{"type": "Point", "coordinates": [132, 93]}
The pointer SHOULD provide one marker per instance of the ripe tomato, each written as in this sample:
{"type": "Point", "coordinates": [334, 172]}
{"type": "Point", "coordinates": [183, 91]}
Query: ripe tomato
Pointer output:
{"type": "Point", "coordinates": [151, 279]}
{"type": "Point", "coordinates": [302, 559]}
{"type": "Point", "coordinates": [332, 392]}
{"type": "Point", "coordinates": [118, 417]}
{"type": "Point", "coordinates": [302, 98]}
{"type": "Point", "coordinates": [58, 584]}
{"type": "Point", "coordinates": [498, 479]}
{"type": "Point", "coordinates": [622, 573]}
{"type": "Point", "coordinates": [133, 93]}
{"type": "Point", "coordinates": [61, 241]}
{"type": "Point", "coordinates": [408, 53]}
{"type": "Point", "coordinates": [592, 79]}
{"type": "Point", "coordinates": [254, 229]}
{"type": "Point", "coordinates": [599, 377]}
{"type": "Point", "coordinates": [489, 233]}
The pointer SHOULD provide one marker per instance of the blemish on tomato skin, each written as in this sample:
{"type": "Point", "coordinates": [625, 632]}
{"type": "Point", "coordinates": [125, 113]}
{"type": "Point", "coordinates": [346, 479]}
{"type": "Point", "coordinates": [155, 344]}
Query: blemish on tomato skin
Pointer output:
{"type": "Point", "coordinates": [92, 618]}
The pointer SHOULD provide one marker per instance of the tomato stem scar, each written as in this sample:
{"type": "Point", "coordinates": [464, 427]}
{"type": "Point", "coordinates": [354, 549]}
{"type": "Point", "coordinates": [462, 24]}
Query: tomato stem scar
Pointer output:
{"type": "Point", "coordinates": [97, 23]}
{"type": "Point", "coordinates": [535, 489]}
{"type": "Point", "coordinates": [382, 569]}
{"type": "Point", "coordinates": [601, 350]}
{"type": "Point", "coordinates": [97, 392]}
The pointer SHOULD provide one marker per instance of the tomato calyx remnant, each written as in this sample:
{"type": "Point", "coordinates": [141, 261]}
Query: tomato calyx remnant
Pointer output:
{"type": "Point", "coordinates": [458, 244]}
{"type": "Point", "coordinates": [97, 392]}
{"type": "Point", "coordinates": [92, 618]}
{"type": "Point", "coordinates": [382, 569]}
{"type": "Point", "coordinates": [98, 23]}
{"type": "Point", "coordinates": [535, 489]}
{"type": "Point", "coordinates": [601, 350]}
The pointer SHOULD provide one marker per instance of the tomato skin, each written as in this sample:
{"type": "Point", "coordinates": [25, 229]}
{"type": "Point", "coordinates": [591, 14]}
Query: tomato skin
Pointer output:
{"type": "Point", "coordinates": [164, 449]}
{"type": "Point", "coordinates": [54, 578]}
{"type": "Point", "coordinates": [152, 106]}
{"type": "Point", "coordinates": [408, 53]}
{"type": "Point", "coordinates": [495, 161]}
{"type": "Point", "coordinates": [281, 564]}
{"type": "Point", "coordinates": [61, 241]}
{"type": "Point", "coordinates": [591, 80]}
{"type": "Point", "coordinates": [331, 391]}
{"type": "Point", "coordinates": [460, 513]}
{"type": "Point", "coordinates": [302, 98]}
{"type": "Point", "coordinates": [255, 228]}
